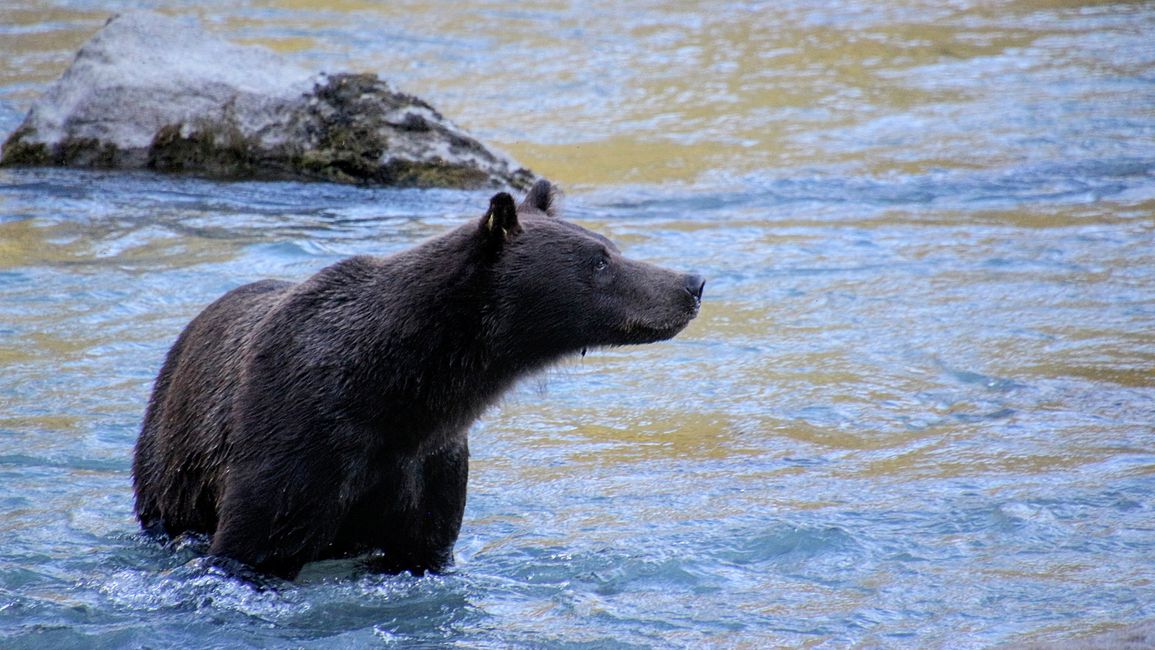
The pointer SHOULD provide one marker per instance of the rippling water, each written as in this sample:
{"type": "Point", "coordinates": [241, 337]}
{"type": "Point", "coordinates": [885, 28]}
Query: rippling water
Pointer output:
{"type": "Point", "coordinates": [918, 409]}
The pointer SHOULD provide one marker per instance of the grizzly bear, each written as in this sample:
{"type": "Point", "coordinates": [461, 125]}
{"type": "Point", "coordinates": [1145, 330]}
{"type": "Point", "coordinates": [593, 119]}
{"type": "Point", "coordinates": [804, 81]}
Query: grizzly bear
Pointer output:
{"type": "Point", "coordinates": [328, 419]}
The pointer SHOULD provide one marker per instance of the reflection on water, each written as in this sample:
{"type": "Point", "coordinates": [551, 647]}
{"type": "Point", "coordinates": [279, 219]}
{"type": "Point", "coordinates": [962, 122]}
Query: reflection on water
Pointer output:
{"type": "Point", "coordinates": [920, 395]}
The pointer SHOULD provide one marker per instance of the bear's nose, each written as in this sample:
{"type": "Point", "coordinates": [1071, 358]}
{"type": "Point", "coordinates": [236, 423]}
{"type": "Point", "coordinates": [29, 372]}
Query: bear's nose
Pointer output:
{"type": "Point", "coordinates": [695, 283]}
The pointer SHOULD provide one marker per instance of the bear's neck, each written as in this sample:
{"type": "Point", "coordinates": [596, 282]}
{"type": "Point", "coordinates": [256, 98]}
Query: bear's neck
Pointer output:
{"type": "Point", "coordinates": [435, 364]}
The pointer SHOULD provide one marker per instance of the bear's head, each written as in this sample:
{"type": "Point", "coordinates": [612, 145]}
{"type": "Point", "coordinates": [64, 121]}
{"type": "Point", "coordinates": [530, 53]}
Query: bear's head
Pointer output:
{"type": "Point", "coordinates": [560, 288]}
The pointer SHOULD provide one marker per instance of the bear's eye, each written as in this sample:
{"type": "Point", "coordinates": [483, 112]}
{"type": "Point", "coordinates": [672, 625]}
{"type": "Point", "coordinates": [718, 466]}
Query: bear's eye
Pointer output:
{"type": "Point", "coordinates": [601, 264]}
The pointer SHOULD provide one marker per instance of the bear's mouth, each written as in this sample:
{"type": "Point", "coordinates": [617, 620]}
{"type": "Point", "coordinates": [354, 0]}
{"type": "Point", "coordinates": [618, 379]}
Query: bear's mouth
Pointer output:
{"type": "Point", "coordinates": [638, 332]}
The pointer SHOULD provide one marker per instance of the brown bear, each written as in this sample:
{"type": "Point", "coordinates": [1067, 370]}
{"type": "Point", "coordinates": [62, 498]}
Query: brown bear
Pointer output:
{"type": "Point", "coordinates": [326, 419]}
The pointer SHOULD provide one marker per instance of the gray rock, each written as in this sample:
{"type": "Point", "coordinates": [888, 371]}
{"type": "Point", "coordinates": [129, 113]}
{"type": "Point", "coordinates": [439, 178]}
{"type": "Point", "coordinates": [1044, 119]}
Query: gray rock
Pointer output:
{"type": "Point", "coordinates": [155, 92]}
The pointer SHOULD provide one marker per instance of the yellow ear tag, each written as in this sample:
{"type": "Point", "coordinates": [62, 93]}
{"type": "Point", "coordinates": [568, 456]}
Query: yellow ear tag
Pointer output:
{"type": "Point", "coordinates": [489, 226]}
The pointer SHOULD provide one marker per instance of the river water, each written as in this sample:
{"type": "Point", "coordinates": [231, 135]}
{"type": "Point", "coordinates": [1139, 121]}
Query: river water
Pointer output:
{"type": "Point", "coordinates": [917, 410]}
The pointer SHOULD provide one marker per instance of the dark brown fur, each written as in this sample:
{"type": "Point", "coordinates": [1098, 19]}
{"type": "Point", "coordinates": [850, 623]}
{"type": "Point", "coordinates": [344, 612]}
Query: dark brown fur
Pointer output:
{"type": "Point", "coordinates": [298, 422]}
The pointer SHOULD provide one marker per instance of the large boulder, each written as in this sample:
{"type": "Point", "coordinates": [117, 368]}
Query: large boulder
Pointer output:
{"type": "Point", "coordinates": [155, 92]}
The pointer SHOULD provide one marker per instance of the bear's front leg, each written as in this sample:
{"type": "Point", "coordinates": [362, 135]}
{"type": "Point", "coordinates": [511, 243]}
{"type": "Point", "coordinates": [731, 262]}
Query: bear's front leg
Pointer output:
{"type": "Point", "coordinates": [422, 533]}
{"type": "Point", "coordinates": [275, 517]}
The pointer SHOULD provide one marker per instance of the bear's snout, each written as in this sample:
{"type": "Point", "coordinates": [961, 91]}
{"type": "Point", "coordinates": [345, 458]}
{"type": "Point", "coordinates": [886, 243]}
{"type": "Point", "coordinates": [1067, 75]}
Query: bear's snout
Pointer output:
{"type": "Point", "coordinates": [695, 284]}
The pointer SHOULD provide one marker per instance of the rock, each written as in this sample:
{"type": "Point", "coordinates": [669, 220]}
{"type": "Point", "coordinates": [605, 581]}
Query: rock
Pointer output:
{"type": "Point", "coordinates": [155, 92]}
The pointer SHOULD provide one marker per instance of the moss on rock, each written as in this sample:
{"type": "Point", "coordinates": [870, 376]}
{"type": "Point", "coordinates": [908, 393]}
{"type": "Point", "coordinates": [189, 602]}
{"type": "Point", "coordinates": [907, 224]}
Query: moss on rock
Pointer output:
{"type": "Point", "coordinates": [22, 150]}
{"type": "Point", "coordinates": [216, 149]}
{"type": "Point", "coordinates": [19, 151]}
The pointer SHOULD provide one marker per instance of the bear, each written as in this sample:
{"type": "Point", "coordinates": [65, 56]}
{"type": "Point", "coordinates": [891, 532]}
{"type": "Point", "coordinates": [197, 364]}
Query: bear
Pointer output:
{"type": "Point", "coordinates": [295, 422]}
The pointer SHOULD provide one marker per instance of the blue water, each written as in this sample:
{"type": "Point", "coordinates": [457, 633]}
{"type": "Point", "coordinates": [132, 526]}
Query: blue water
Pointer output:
{"type": "Point", "coordinates": [916, 411]}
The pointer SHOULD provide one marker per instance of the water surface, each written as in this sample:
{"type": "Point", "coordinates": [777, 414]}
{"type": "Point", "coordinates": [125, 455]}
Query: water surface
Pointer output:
{"type": "Point", "coordinates": [916, 411]}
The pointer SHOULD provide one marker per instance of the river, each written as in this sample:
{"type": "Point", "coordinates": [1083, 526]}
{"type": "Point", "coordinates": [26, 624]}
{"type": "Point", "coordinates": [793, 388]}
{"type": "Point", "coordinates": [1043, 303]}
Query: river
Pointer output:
{"type": "Point", "coordinates": [917, 409]}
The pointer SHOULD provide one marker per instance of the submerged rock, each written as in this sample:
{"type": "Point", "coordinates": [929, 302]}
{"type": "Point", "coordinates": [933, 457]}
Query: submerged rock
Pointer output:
{"type": "Point", "coordinates": [155, 92]}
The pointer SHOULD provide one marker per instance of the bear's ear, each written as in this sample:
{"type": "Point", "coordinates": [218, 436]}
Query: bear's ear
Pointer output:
{"type": "Point", "coordinates": [542, 197]}
{"type": "Point", "coordinates": [500, 222]}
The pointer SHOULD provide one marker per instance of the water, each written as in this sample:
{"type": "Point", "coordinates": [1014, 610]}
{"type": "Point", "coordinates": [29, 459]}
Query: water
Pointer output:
{"type": "Point", "coordinates": [916, 411]}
